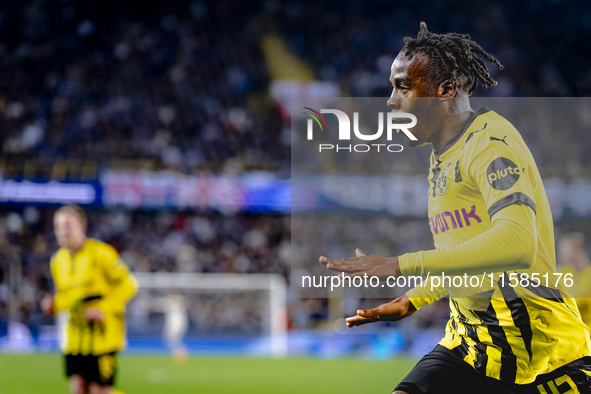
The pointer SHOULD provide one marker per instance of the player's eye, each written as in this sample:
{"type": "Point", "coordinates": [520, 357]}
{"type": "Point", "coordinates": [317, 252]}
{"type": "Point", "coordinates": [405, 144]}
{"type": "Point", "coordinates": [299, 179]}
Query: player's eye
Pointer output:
{"type": "Point", "coordinates": [402, 87]}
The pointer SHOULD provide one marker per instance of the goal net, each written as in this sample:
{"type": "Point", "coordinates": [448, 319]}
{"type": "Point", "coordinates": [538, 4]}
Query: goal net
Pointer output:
{"type": "Point", "coordinates": [178, 308]}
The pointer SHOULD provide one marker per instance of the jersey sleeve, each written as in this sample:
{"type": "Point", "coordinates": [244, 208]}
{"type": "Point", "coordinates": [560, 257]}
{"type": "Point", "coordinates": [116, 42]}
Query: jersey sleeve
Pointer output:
{"type": "Point", "coordinates": [426, 294]}
{"type": "Point", "coordinates": [501, 167]}
{"type": "Point", "coordinates": [123, 283]}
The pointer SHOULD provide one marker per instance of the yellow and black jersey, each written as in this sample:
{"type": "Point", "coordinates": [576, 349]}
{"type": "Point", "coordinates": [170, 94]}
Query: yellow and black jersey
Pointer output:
{"type": "Point", "coordinates": [94, 276]}
{"type": "Point", "coordinates": [581, 290]}
{"type": "Point", "coordinates": [488, 212]}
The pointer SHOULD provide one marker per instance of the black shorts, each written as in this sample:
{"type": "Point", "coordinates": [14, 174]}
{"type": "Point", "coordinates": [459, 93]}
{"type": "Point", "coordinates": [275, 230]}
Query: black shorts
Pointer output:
{"type": "Point", "coordinates": [442, 372]}
{"type": "Point", "coordinates": [98, 369]}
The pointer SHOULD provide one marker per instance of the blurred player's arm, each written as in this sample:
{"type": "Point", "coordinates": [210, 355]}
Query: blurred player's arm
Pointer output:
{"type": "Point", "coordinates": [123, 283]}
{"type": "Point", "coordinates": [510, 244]}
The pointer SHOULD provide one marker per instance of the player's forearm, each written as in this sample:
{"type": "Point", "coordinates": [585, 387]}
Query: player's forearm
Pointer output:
{"type": "Point", "coordinates": [511, 244]}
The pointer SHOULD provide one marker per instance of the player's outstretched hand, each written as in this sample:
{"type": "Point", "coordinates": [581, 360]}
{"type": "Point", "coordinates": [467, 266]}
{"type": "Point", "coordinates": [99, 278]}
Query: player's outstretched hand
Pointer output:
{"type": "Point", "coordinates": [392, 311]}
{"type": "Point", "coordinates": [94, 314]}
{"type": "Point", "coordinates": [364, 263]}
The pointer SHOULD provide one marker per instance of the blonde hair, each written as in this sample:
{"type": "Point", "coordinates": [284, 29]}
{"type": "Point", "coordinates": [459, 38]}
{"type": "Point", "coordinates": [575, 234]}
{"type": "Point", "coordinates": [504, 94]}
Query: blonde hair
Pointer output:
{"type": "Point", "coordinates": [75, 210]}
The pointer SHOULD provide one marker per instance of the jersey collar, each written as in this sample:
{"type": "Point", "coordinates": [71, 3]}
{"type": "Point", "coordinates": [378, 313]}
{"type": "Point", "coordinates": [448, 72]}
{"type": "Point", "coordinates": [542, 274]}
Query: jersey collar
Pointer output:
{"type": "Point", "coordinates": [445, 147]}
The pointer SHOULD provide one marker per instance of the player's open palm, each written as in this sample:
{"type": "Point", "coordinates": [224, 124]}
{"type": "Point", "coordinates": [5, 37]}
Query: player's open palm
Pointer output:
{"type": "Point", "coordinates": [392, 311]}
{"type": "Point", "coordinates": [363, 264]}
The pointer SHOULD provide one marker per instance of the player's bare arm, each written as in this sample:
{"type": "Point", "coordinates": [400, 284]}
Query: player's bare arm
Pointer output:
{"type": "Point", "coordinates": [364, 264]}
{"type": "Point", "coordinates": [391, 311]}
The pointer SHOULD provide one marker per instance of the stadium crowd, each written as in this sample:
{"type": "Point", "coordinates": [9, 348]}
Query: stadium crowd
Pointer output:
{"type": "Point", "coordinates": [185, 86]}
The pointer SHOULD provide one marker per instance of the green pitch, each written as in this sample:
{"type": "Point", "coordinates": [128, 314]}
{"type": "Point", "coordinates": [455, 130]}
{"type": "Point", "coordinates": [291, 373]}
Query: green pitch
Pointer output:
{"type": "Point", "coordinates": [156, 375]}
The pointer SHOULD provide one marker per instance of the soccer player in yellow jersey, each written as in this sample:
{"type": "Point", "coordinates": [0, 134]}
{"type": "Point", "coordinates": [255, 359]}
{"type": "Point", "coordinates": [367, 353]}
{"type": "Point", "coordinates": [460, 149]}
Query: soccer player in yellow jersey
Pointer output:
{"type": "Point", "coordinates": [488, 212]}
{"type": "Point", "coordinates": [92, 284]}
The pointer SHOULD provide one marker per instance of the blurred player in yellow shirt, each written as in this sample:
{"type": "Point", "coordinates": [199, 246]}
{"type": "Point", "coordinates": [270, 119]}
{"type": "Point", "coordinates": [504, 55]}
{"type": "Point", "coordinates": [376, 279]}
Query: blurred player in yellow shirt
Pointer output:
{"type": "Point", "coordinates": [92, 284]}
{"type": "Point", "coordinates": [574, 259]}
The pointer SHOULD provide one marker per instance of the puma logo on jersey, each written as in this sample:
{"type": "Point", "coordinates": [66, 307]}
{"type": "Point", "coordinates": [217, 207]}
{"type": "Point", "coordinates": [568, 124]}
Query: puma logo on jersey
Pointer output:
{"type": "Point", "coordinates": [498, 139]}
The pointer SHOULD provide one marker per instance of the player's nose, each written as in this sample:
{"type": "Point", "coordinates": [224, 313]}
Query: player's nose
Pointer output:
{"type": "Point", "coordinates": [394, 103]}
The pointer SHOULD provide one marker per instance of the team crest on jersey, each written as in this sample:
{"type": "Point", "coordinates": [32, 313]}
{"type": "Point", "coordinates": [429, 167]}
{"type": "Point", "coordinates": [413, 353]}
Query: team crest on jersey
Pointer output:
{"type": "Point", "coordinates": [441, 182]}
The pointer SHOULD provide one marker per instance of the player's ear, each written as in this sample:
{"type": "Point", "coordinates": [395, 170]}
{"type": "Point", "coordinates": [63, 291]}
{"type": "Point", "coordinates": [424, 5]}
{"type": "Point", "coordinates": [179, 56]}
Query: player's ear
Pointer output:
{"type": "Point", "coordinates": [447, 89]}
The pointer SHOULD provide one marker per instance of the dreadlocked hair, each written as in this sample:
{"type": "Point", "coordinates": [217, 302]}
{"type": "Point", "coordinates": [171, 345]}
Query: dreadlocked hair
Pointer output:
{"type": "Point", "coordinates": [453, 56]}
